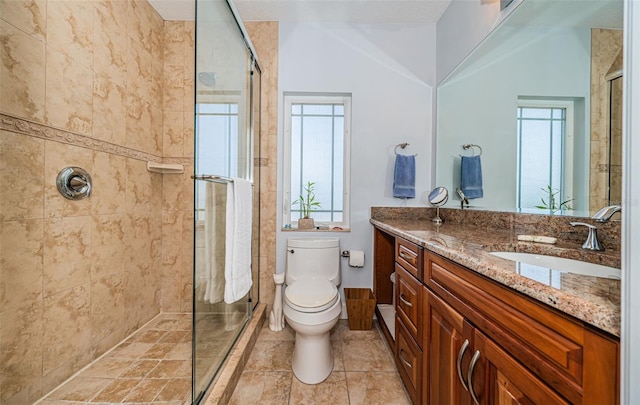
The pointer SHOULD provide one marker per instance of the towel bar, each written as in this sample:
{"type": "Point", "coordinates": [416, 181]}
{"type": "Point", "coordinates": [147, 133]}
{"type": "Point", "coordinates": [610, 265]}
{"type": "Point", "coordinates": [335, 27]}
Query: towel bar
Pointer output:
{"type": "Point", "coordinates": [471, 145]}
{"type": "Point", "coordinates": [401, 146]}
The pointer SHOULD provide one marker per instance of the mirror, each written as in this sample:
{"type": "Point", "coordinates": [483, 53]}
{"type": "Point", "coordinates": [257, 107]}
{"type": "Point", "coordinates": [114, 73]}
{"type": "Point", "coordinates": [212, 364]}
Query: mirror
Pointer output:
{"type": "Point", "coordinates": [534, 96]}
{"type": "Point", "coordinates": [438, 197]}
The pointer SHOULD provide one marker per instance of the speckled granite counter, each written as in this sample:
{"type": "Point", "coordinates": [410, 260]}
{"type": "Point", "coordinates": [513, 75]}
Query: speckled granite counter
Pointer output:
{"type": "Point", "coordinates": [593, 300]}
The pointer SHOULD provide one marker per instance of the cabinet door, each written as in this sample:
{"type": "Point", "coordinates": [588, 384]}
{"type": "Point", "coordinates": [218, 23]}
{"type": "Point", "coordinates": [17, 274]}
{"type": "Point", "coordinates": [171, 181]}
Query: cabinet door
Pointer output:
{"type": "Point", "coordinates": [448, 340]}
{"type": "Point", "coordinates": [498, 379]}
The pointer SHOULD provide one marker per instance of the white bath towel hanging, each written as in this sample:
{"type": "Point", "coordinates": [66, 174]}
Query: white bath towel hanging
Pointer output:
{"type": "Point", "coordinates": [238, 240]}
{"type": "Point", "coordinates": [213, 270]}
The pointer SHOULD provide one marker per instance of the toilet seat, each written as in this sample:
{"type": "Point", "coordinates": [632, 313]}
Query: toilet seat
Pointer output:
{"type": "Point", "coordinates": [311, 294]}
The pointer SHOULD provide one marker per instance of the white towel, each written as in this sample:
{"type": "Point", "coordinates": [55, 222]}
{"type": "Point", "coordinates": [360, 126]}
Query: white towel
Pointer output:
{"type": "Point", "coordinates": [213, 271]}
{"type": "Point", "coordinates": [237, 269]}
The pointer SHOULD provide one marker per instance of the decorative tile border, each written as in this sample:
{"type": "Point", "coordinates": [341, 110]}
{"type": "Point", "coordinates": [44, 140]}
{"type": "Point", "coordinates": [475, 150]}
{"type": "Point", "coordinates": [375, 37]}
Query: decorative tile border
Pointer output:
{"type": "Point", "coordinates": [30, 128]}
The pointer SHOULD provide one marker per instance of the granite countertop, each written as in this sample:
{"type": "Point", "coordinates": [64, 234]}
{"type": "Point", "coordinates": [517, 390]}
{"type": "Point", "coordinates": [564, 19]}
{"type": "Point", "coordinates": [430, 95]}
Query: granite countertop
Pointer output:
{"type": "Point", "coordinates": [593, 300]}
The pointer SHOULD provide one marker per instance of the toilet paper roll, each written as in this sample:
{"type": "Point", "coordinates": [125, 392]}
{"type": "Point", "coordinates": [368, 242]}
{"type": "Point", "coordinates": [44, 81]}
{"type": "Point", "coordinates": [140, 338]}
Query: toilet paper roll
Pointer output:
{"type": "Point", "coordinates": [356, 258]}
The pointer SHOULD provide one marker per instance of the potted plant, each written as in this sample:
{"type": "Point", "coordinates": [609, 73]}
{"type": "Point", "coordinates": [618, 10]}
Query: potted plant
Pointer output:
{"type": "Point", "coordinates": [307, 204]}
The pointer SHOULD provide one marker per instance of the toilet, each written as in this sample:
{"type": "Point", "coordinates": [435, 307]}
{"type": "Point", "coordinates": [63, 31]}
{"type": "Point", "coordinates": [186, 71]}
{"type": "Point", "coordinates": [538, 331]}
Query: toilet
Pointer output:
{"type": "Point", "coordinates": [312, 304]}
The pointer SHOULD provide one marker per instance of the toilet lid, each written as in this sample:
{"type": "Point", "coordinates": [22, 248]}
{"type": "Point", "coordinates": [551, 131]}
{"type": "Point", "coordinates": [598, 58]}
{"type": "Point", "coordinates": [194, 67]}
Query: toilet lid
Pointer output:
{"type": "Point", "coordinates": [311, 294]}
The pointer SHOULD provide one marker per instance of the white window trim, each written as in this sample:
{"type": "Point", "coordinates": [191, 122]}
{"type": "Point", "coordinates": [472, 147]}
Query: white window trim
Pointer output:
{"type": "Point", "coordinates": [319, 98]}
{"type": "Point", "coordinates": [569, 141]}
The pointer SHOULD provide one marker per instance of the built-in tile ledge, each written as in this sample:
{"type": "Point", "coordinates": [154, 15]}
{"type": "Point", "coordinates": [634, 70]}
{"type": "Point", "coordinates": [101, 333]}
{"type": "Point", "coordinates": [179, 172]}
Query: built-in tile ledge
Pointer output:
{"type": "Point", "coordinates": [165, 168]}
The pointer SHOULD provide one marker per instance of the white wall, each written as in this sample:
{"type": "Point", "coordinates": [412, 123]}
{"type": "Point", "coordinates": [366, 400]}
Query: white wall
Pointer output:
{"type": "Point", "coordinates": [478, 105]}
{"type": "Point", "coordinates": [630, 353]}
{"type": "Point", "coordinates": [391, 80]}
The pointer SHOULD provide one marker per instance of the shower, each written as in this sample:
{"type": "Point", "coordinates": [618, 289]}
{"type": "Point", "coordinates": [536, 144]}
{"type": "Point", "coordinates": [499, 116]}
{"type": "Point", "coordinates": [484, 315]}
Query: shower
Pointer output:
{"type": "Point", "coordinates": [207, 78]}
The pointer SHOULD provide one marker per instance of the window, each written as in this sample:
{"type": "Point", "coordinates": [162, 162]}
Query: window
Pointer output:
{"type": "Point", "coordinates": [317, 129]}
{"type": "Point", "coordinates": [545, 154]}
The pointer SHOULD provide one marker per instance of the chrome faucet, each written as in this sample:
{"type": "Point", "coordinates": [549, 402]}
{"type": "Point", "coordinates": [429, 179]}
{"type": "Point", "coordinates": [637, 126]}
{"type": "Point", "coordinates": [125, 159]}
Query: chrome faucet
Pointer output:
{"type": "Point", "coordinates": [605, 214]}
{"type": "Point", "coordinates": [592, 238]}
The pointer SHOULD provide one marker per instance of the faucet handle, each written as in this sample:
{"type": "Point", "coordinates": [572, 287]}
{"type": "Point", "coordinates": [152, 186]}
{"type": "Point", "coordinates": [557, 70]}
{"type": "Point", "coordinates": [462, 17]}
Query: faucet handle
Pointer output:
{"type": "Point", "coordinates": [592, 238]}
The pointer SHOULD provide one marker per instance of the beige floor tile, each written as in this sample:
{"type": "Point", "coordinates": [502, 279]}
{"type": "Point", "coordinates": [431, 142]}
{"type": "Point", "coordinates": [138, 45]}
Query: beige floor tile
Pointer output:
{"type": "Point", "coordinates": [107, 367]}
{"type": "Point", "coordinates": [176, 336]}
{"type": "Point", "coordinates": [149, 336]}
{"type": "Point", "coordinates": [367, 355]}
{"type": "Point", "coordinates": [140, 369]}
{"type": "Point", "coordinates": [263, 387]}
{"type": "Point", "coordinates": [166, 369]}
{"type": "Point", "coordinates": [271, 355]}
{"type": "Point", "coordinates": [83, 389]}
{"type": "Point", "coordinates": [116, 391]}
{"type": "Point", "coordinates": [376, 388]}
{"type": "Point", "coordinates": [175, 390]}
{"type": "Point", "coordinates": [267, 334]}
{"type": "Point", "coordinates": [158, 351]}
{"type": "Point", "coordinates": [331, 391]}
{"type": "Point", "coordinates": [130, 350]}
{"type": "Point", "coordinates": [145, 391]}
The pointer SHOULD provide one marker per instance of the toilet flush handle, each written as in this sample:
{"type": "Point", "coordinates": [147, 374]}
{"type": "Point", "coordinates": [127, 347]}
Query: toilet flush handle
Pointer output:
{"type": "Point", "coordinates": [291, 251]}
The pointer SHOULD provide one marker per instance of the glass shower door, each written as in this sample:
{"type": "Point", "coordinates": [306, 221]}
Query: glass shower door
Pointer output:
{"type": "Point", "coordinates": [223, 151]}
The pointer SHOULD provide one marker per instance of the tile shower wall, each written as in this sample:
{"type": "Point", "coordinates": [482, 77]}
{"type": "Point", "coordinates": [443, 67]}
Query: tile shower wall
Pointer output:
{"type": "Point", "coordinates": [264, 36]}
{"type": "Point", "coordinates": [178, 147]}
{"type": "Point", "coordinates": [80, 84]}
{"type": "Point", "coordinates": [605, 46]}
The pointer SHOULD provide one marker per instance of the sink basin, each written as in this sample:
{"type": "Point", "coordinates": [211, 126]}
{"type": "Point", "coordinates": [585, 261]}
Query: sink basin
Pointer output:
{"type": "Point", "coordinates": [561, 264]}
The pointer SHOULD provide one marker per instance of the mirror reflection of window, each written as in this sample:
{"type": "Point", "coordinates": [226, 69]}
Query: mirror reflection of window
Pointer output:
{"type": "Point", "coordinates": [545, 155]}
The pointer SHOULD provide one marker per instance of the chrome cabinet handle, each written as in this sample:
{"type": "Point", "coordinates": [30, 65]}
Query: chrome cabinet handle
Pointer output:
{"type": "Point", "coordinates": [406, 363]}
{"type": "Point", "coordinates": [472, 366]}
{"type": "Point", "coordinates": [463, 349]}
{"type": "Point", "coordinates": [404, 301]}
{"type": "Point", "coordinates": [406, 257]}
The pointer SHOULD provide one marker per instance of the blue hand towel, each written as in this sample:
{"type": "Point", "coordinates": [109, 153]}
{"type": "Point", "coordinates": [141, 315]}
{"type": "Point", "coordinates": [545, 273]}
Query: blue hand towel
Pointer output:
{"type": "Point", "coordinates": [471, 176]}
{"type": "Point", "coordinates": [404, 177]}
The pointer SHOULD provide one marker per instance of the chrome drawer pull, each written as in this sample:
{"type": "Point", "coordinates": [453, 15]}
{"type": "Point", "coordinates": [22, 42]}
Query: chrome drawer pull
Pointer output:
{"type": "Point", "coordinates": [404, 301]}
{"type": "Point", "coordinates": [407, 258]}
{"type": "Point", "coordinates": [463, 349]}
{"type": "Point", "coordinates": [406, 363]}
{"type": "Point", "coordinates": [472, 366]}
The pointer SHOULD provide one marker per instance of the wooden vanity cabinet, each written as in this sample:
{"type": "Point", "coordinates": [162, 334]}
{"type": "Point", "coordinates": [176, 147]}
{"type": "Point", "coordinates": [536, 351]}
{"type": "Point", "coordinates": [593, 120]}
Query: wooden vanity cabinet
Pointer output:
{"type": "Point", "coordinates": [519, 351]}
{"type": "Point", "coordinates": [409, 317]}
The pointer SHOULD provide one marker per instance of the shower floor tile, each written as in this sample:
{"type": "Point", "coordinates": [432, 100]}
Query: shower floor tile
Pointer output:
{"type": "Point", "coordinates": [151, 367]}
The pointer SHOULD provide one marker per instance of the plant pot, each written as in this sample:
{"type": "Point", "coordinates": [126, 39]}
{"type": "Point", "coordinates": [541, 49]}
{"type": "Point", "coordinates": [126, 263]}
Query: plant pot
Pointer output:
{"type": "Point", "coordinates": [306, 223]}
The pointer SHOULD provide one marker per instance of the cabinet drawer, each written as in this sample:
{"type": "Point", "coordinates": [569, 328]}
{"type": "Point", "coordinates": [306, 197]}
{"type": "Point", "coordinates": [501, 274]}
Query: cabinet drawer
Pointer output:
{"type": "Point", "coordinates": [409, 361]}
{"type": "Point", "coordinates": [549, 343]}
{"type": "Point", "coordinates": [408, 255]}
{"type": "Point", "coordinates": [409, 302]}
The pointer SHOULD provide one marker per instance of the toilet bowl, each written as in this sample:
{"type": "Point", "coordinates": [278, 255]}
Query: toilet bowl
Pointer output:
{"type": "Point", "coordinates": [312, 304]}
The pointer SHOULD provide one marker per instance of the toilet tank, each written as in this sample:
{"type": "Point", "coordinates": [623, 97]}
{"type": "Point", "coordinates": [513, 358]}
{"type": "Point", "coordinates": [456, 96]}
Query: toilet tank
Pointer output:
{"type": "Point", "coordinates": [313, 257]}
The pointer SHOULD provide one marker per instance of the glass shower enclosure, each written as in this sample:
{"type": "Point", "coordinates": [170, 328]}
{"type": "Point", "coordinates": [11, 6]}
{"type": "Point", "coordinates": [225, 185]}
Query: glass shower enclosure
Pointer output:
{"type": "Point", "coordinates": [227, 105]}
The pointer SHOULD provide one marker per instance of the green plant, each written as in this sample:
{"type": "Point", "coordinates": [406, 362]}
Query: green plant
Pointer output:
{"type": "Point", "coordinates": [308, 204]}
{"type": "Point", "coordinates": [553, 205]}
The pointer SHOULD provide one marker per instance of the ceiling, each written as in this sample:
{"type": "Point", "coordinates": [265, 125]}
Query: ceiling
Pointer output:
{"type": "Point", "coordinates": [344, 11]}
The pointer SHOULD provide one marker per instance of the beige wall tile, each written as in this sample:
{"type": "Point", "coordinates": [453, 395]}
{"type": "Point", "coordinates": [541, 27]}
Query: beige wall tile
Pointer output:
{"type": "Point", "coordinates": [138, 187]}
{"type": "Point", "coordinates": [156, 129]}
{"type": "Point", "coordinates": [57, 157]}
{"type": "Point", "coordinates": [52, 379]}
{"type": "Point", "coordinates": [138, 123]}
{"type": "Point", "coordinates": [108, 245]}
{"type": "Point", "coordinates": [28, 16]}
{"type": "Point", "coordinates": [107, 307]}
{"type": "Point", "coordinates": [173, 134]}
{"type": "Point", "coordinates": [67, 254]}
{"type": "Point", "coordinates": [70, 29]}
{"type": "Point", "coordinates": [174, 43]}
{"type": "Point", "coordinates": [21, 355]}
{"type": "Point", "coordinates": [22, 73]}
{"type": "Point", "coordinates": [109, 110]}
{"type": "Point", "coordinates": [173, 95]}
{"type": "Point", "coordinates": [110, 44]}
{"type": "Point", "coordinates": [109, 184]}
{"type": "Point", "coordinates": [21, 173]}
{"type": "Point", "coordinates": [69, 93]}
{"type": "Point", "coordinates": [139, 71]}
{"type": "Point", "coordinates": [70, 308]}
{"type": "Point", "coordinates": [21, 272]}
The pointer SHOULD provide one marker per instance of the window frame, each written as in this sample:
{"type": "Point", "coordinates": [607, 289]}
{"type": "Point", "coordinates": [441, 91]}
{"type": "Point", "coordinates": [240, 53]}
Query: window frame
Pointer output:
{"type": "Point", "coordinates": [291, 98]}
{"type": "Point", "coordinates": [567, 148]}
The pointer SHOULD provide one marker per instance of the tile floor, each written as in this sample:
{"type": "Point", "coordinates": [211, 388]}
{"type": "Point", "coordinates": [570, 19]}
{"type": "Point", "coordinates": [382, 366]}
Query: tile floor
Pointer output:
{"type": "Point", "coordinates": [153, 367]}
{"type": "Point", "coordinates": [364, 372]}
